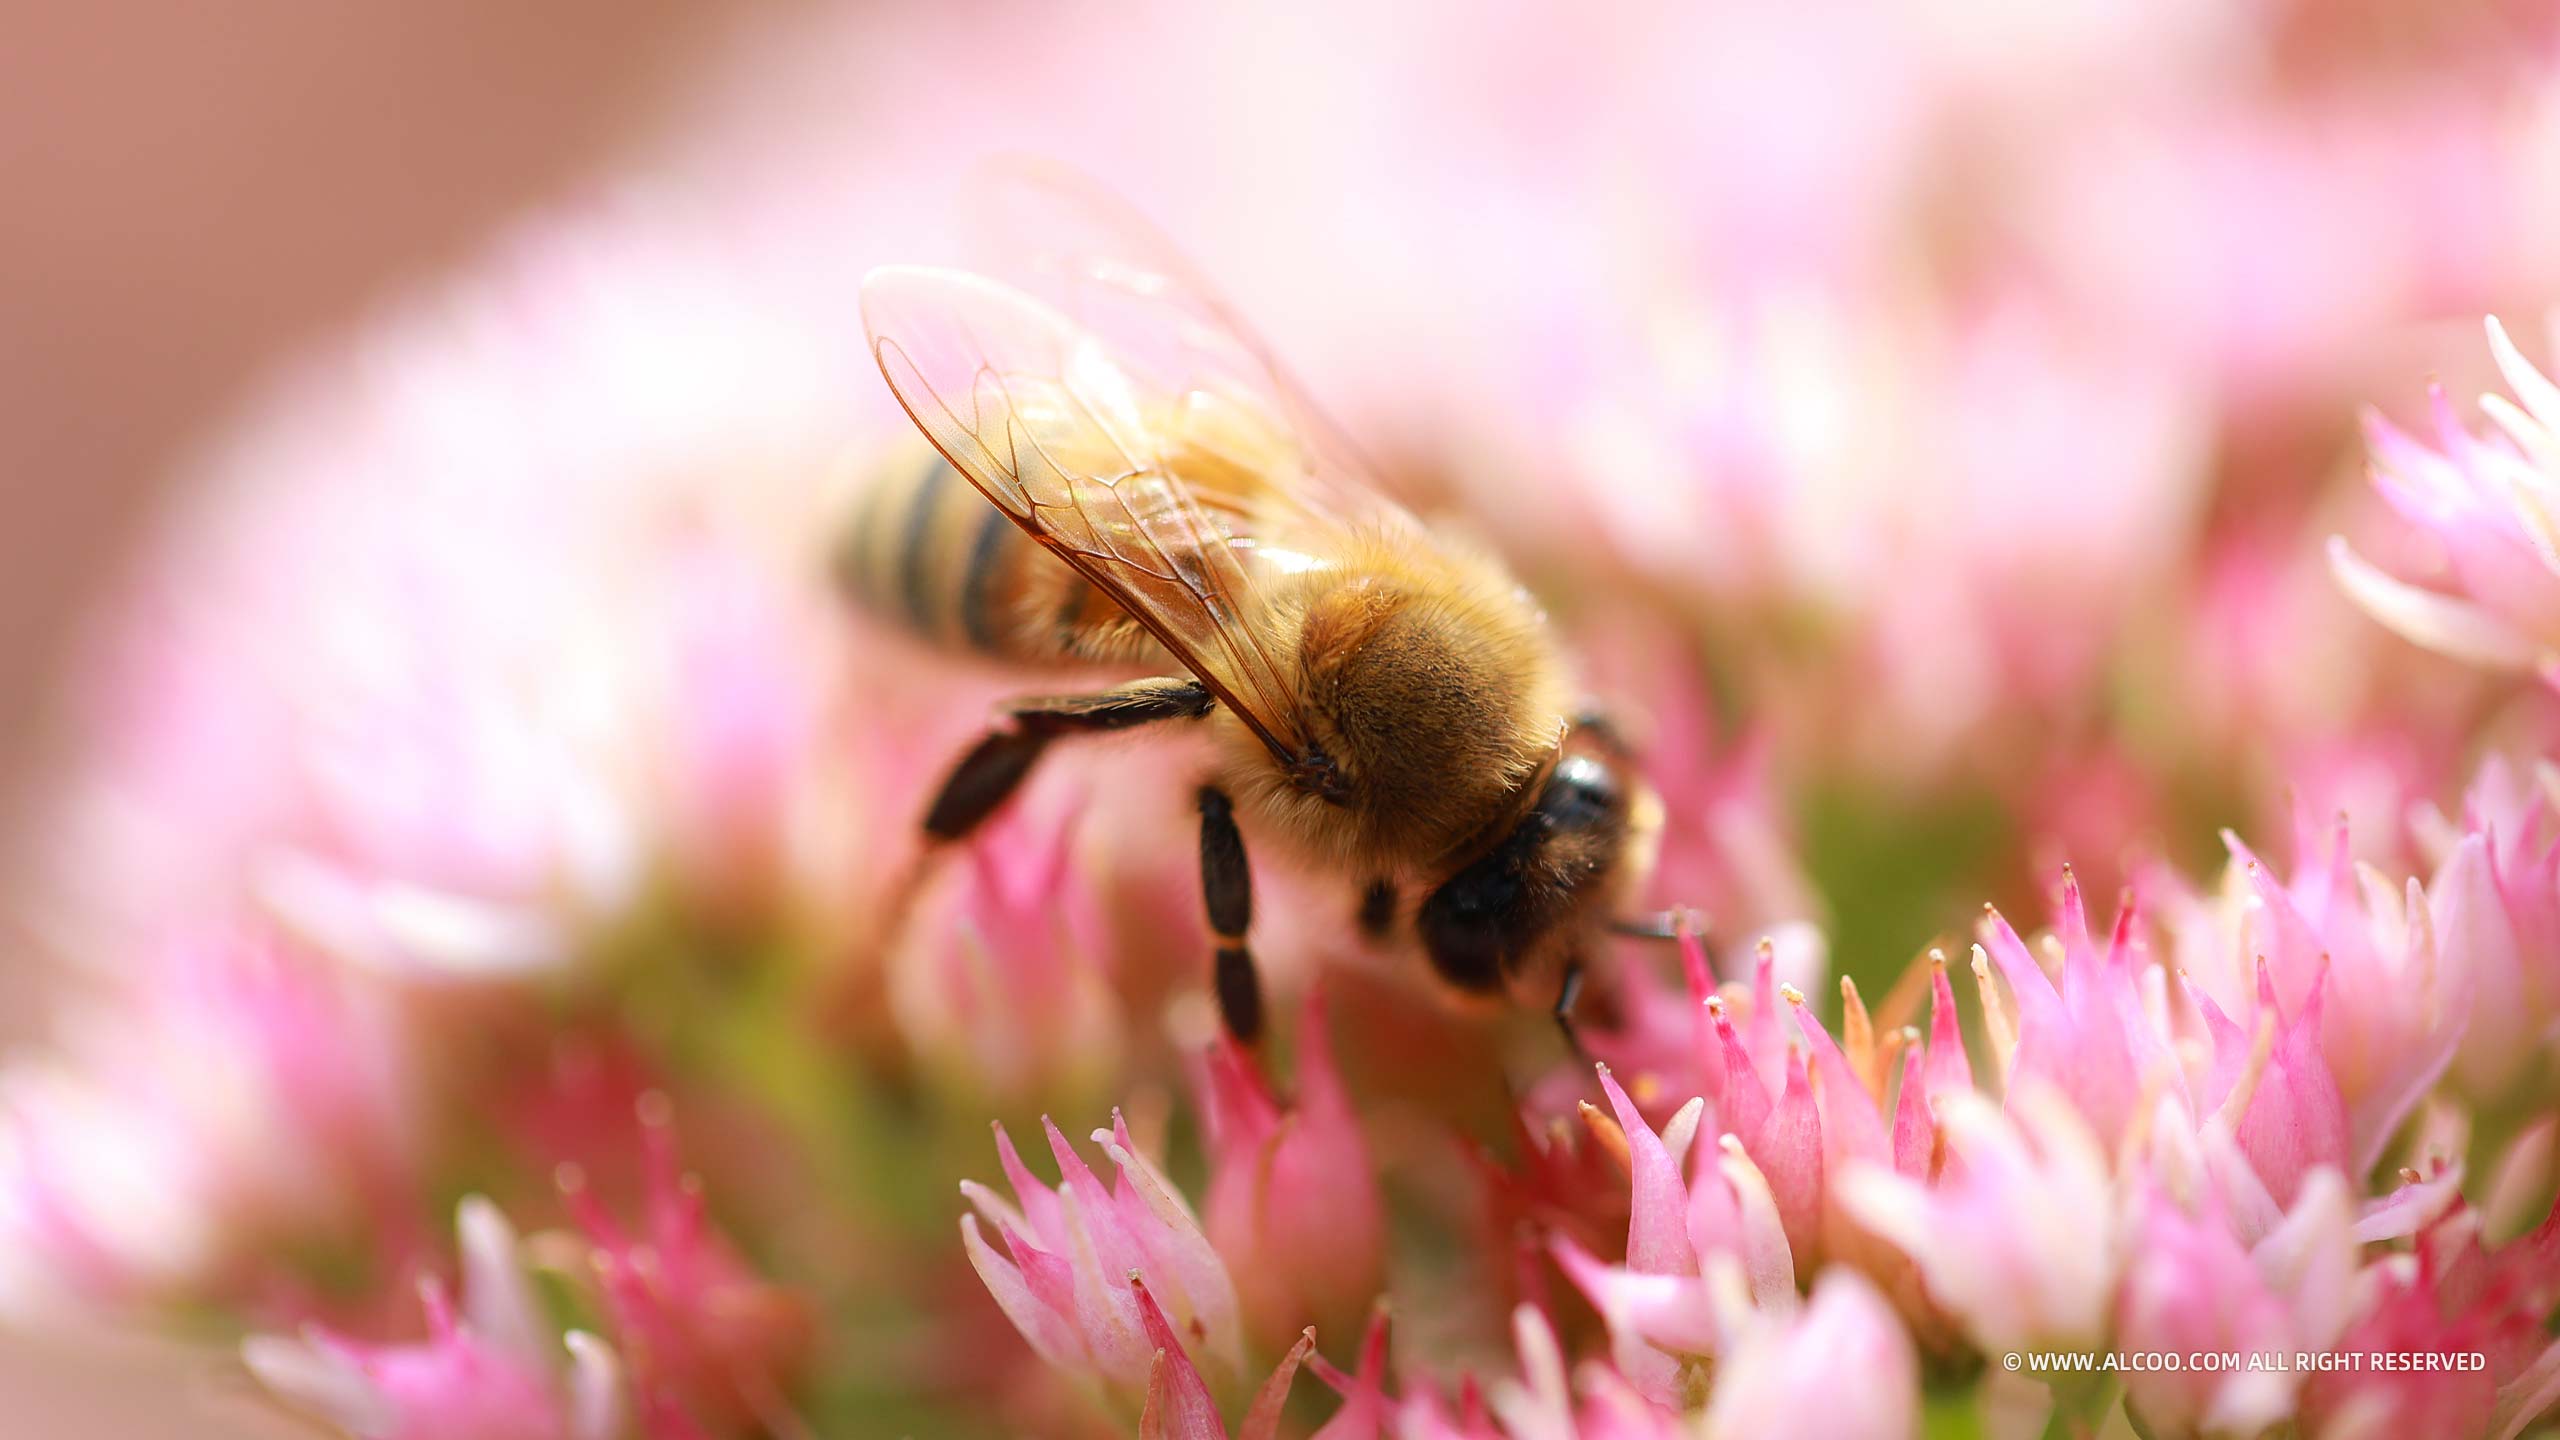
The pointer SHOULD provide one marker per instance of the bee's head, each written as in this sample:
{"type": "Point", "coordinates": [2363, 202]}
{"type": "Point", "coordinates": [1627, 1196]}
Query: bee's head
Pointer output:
{"type": "Point", "coordinates": [1514, 909]}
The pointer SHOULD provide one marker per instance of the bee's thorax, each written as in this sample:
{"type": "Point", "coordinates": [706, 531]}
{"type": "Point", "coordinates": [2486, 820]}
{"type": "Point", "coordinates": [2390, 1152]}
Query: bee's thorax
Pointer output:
{"type": "Point", "coordinates": [1429, 699]}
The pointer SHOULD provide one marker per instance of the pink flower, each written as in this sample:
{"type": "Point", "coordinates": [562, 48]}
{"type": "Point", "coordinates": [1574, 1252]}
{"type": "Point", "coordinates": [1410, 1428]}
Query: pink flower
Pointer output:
{"type": "Point", "coordinates": [1178, 1405]}
{"type": "Point", "coordinates": [1002, 979]}
{"type": "Point", "coordinates": [1424, 1414]}
{"type": "Point", "coordinates": [2491, 503]}
{"type": "Point", "coordinates": [465, 786]}
{"type": "Point", "coordinates": [1667, 1040]}
{"type": "Point", "coordinates": [1539, 1405]}
{"type": "Point", "coordinates": [2494, 908]}
{"type": "Point", "coordinates": [699, 1328]}
{"type": "Point", "coordinates": [1293, 1203]}
{"type": "Point", "coordinates": [2337, 942]}
{"type": "Point", "coordinates": [491, 1372]}
{"type": "Point", "coordinates": [2089, 1038]}
{"type": "Point", "coordinates": [1766, 1200]}
{"type": "Point", "coordinates": [1661, 1305]}
{"type": "Point", "coordinates": [233, 1090]}
{"type": "Point", "coordinates": [1843, 1368]}
{"type": "Point", "coordinates": [2135, 1057]}
{"type": "Point", "coordinates": [2018, 1239]}
{"type": "Point", "coordinates": [417, 667]}
{"type": "Point", "coordinates": [2270, 1088]}
{"type": "Point", "coordinates": [2485, 1310]}
{"type": "Point", "coordinates": [1365, 1413]}
{"type": "Point", "coordinates": [1075, 1252]}
{"type": "Point", "coordinates": [2190, 1286]}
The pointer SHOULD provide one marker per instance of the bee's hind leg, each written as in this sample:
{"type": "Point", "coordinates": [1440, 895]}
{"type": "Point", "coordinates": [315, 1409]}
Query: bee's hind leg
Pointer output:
{"type": "Point", "coordinates": [996, 766]}
{"type": "Point", "coordinates": [981, 781]}
{"type": "Point", "coordinates": [1226, 884]}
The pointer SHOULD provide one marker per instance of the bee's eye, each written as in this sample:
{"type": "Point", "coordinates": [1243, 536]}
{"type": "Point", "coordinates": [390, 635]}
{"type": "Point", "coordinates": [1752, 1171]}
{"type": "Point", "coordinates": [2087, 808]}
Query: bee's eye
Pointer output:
{"type": "Point", "coordinates": [1581, 790]}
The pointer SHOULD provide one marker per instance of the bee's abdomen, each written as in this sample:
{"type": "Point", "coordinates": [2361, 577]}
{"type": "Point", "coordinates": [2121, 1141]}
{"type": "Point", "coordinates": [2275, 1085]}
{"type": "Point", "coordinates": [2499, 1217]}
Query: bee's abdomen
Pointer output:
{"type": "Point", "coordinates": [930, 554]}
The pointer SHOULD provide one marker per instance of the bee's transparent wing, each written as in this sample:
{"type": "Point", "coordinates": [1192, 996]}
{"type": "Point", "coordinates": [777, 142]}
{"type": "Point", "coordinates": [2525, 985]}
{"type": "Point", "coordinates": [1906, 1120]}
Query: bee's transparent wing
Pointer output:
{"type": "Point", "coordinates": [1054, 426]}
{"type": "Point", "coordinates": [1072, 244]}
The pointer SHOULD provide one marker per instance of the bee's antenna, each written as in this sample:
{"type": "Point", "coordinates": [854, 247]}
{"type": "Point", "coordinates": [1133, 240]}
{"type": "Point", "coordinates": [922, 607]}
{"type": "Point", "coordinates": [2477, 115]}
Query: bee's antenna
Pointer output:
{"type": "Point", "coordinates": [1662, 925]}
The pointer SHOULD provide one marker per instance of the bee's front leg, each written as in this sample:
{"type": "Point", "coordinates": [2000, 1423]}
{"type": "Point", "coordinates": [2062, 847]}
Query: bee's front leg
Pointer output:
{"type": "Point", "coordinates": [1568, 991]}
{"type": "Point", "coordinates": [1226, 884]}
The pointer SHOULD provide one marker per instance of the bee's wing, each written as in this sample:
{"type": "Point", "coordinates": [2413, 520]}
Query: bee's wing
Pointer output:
{"type": "Point", "coordinates": [1072, 244]}
{"type": "Point", "coordinates": [1055, 428]}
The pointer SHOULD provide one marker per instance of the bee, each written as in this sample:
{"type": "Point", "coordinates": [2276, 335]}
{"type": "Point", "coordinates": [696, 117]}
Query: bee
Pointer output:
{"type": "Point", "coordinates": [1146, 487]}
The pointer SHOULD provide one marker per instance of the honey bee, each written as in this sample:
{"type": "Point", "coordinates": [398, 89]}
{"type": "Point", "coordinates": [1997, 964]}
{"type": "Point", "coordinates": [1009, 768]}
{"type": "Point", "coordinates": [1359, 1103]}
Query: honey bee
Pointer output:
{"type": "Point", "coordinates": [1146, 487]}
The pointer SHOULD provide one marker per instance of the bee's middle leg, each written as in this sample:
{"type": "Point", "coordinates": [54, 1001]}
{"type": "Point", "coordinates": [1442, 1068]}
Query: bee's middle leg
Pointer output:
{"type": "Point", "coordinates": [996, 766]}
{"type": "Point", "coordinates": [1226, 884]}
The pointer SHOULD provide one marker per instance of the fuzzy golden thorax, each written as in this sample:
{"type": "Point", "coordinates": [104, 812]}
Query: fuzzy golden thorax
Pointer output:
{"type": "Point", "coordinates": [1429, 682]}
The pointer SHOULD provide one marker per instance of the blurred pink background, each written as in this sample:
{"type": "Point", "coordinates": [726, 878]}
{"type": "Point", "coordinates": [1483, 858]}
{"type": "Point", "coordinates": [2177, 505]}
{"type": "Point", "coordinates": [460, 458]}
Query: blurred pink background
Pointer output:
{"type": "Point", "coordinates": [193, 192]}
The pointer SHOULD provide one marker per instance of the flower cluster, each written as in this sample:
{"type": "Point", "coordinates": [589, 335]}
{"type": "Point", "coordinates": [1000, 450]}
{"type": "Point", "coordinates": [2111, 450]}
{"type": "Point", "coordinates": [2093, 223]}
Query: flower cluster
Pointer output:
{"type": "Point", "coordinates": [487, 1370]}
{"type": "Point", "coordinates": [232, 1094]}
{"type": "Point", "coordinates": [2151, 1145]}
{"type": "Point", "coordinates": [2150, 1149]}
{"type": "Point", "coordinates": [693, 1342]}
{"type": "Point", "coordinates": [2486, 501]}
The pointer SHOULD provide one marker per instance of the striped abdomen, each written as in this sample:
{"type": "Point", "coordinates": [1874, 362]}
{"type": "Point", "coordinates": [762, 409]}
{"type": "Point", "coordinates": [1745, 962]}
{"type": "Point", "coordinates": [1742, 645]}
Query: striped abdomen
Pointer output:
{"type": "Point", "coordinates": [929, 553]}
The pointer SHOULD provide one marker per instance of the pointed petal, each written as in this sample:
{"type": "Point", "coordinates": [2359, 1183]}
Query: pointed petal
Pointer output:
{"type": "Point", "coordinates": [2530, 385]}
{"type": "Point", "coordinates": [1178, 1400]}
{"type": "Point", "coordinates": [1537, 1406]}
{"type": "Point", "coordinates": [1950, 1071]}
{"type": "Point", "coordinates": [1657, 1226]}
{"type": "Point", "coordinates": [1670, 1311]}
{"type": "Point", "coordinates": [1039, 1202]}
{"type": "Point", "coordinates": [1915, 1130]}
{"type": "Point", "coordinates": [2310, 1259]}
{"type": "Point", "coordinates": [596, 1407]}
{"type": "Point", "coordinates": [1788, 1150]}
{"type": "Point", "coordinates": [1741, 1097]}
{"type": "Point", "coordinates": [2427, 619]}
{"type": "Point", "coordinates": [323, 1382]}
{"type": "Point", "coordinates": [2418, 1203]}
{"type": "Point", "coordinates": [1050, 1333]}
{"type": "Point", "coordinates": [1768, 1261]}
{"type": "Point", "coordinates": [1178, 1254]}
{"type": "Point", "coordinates": [1851, 1127]}
{"type": "Point", "coordinates": [1262, 1420]}
{"type": "Point", "coordinates": [1647, 1316]}
{"type": "Point", "coordinates": [496, 1295]}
